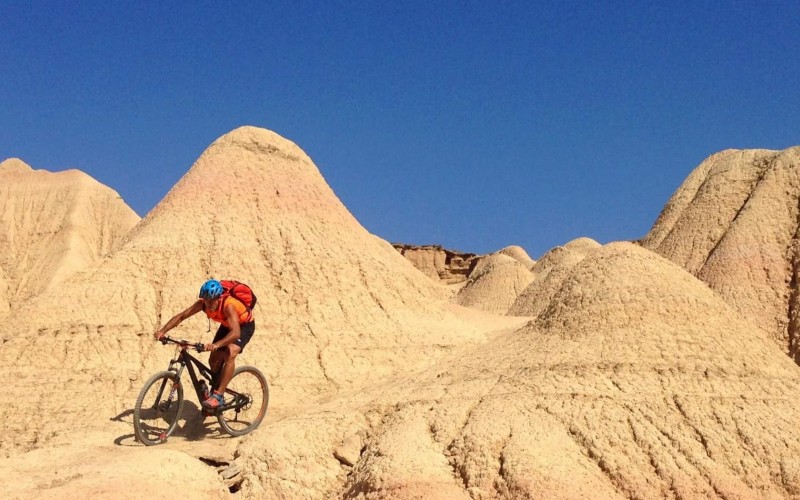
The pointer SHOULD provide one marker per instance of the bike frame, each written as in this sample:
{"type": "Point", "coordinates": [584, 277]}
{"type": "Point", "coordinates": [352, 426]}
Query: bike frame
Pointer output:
{"type": "Point", "coordinates": [184, 360]}
{"type": "Point", "coordinates": [248, 390]}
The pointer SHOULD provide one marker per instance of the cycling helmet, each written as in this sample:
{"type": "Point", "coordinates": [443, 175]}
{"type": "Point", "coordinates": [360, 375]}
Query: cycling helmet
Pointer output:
{"type": "Point", "coordinates": [211, 289]}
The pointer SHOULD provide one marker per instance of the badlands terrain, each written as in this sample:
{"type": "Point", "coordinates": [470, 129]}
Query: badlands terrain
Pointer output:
{"type": "Point", "coordinates": [658, 368]}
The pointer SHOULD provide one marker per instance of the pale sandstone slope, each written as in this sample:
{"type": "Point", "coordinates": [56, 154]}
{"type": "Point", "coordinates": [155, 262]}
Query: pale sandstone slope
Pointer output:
{"type": "Point", "coordinates": [99, 472]}
{"type": "Point", "coordinates": [440, 264]}
{"type": "Point", "coordinates": [494, 284]}
{"type": "Point", "coordinates": [735, 223]}
{"type": "Point", "coordinates": [53, 225]}
{"type": "Point", "coordinates": [548, 274]}
{"type": "Point", "coordinates": [636, 381]}
{"type": "Point", "coordinates": [5, 305]}
{"type": "Point", "coordinates": [337, 308]}
{"type": "Point", "coordinates": [431, 260]}
{"type": "Point", "coordinates": [519, 254]}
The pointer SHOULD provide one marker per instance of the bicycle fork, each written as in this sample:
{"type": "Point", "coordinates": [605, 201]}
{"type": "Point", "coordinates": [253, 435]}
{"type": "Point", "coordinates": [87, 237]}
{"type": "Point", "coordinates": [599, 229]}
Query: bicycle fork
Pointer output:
{"type": "Point", "coordinates": [174, 388]}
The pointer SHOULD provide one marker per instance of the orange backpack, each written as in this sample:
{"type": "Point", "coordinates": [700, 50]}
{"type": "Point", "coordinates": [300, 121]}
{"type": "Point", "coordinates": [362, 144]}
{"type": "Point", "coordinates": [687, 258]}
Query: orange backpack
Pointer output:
{"type": "Point", "coordinates": [240, 292]}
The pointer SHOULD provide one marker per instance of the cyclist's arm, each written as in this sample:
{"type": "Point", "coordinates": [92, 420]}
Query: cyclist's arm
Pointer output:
{"type": "Point", "coordinates": [233, 335]}
{"type": "Point", "coordinates": [176, 320]}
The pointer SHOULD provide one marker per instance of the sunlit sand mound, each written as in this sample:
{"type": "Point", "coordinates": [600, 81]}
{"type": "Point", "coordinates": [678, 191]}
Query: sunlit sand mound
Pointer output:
{"type": "Point", "coordinates": [494, 284]}
{"type": "Point", "coordinates": [734, 224]}
{"type": "Point", "coordinates": [80, 471]}
{"type": "Point", "coordinates": [518, 253]}
{"type": "Point", "coordinates": [548, 274]}
{"type": "Point", "coordinates": [336, 307]}
{"type": "Point", "coordinates": [52, 225]}
{"type": "Point", "coordinates": [564, 256]}
{"type": "Point", "coordinates": [637, 381]}
{"type": "Point", "coordinates": [255, 207]}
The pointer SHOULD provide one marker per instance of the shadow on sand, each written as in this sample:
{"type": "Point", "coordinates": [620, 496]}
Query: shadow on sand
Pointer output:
{"type": "Point", "coordinates": [192, 426]}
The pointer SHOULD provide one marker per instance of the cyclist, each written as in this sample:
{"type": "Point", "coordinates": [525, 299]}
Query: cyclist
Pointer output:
{"type": "Point", "coordinates": [235, 331]}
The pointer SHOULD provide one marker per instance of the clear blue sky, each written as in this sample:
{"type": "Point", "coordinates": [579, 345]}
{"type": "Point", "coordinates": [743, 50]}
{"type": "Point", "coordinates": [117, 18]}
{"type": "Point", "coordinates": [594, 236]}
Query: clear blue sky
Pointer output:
{"type": "Point", "coordinates": [474, 125]}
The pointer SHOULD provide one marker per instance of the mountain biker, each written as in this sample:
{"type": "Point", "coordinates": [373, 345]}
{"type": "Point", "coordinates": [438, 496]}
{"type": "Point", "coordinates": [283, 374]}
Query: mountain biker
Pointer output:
{"type": "Point", "coordinates": [236, 328]}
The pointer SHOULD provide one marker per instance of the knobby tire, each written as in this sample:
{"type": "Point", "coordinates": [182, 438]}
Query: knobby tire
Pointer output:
{"type": "Point", "coordinates": [247, 381]}
{"type": "Point", "coordinates": [153, 420]}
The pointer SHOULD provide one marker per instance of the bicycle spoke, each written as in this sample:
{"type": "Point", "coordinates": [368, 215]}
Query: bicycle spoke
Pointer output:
{"type": "Point", "coordinates": [248, 397]}
{"type": "Point", "coordinates": [155, 417]}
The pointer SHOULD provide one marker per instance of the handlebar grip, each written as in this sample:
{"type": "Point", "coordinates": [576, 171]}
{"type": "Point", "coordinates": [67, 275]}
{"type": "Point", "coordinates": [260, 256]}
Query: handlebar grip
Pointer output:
{"type": "Point", "coordinates": [200, 347]}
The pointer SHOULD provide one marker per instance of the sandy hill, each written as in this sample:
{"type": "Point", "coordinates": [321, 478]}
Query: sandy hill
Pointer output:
{"type": "Point", "coordinates": [734, 223]}
{"type": "Point", "coordinates": [634, 379]}
{"type": "Point", "coordinates": [81, 471]}
{"type": "Point", "coordinates": [53, 225]}
{"type": "Point", "coordinates": [337, 306]}
{"type": "Point", "coordinates": [637, 381]}
{"type": "Point", "coordinates": [548, 274]}
{"type": "Point", "coordinates": [494, 284]}
{"type": "Point", "coordinates": [519, 254]}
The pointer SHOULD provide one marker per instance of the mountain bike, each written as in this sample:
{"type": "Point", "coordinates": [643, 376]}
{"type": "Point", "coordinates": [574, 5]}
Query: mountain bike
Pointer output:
{"type": "Point", "coordinates": [160, 402]}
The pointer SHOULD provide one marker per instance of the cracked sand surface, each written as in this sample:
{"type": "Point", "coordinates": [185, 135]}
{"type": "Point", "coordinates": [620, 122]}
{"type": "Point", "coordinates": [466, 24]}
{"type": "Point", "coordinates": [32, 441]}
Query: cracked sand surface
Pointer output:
{"type": "Point", "coordinates": [630, 378]}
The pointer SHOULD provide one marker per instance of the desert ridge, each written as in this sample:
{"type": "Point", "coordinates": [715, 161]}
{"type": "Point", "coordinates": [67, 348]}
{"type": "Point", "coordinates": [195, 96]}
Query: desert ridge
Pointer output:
{"type": "Point", "coordinates": [734, 223]}
{"type": "Point", "coordinates": [612, 371]}
{"type": "Point", "coordinates": [337, 306]}
{"type": "Point", "coordinates": [53, 225]}
{"type": "Point", "coordinates": [633, 362]}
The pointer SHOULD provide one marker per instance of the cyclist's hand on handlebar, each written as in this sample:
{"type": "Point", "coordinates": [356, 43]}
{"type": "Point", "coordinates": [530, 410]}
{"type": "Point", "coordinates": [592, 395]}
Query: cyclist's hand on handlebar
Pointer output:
{"type": "Point", "coordinates": [211, 347]}
{"type": "Point", "coordinates": [159, 335]}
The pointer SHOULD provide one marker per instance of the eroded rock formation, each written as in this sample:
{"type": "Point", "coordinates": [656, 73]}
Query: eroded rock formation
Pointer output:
{"type": "Point", "coordinates": [494, 284]}
{"type": "Point", "coordinates": [735, 223]}
{"type": "Point", "coordinates": [53, 225]}
{"type": "Point", "coordinates": [548, 275]}
{"type": "Point", "coordinates": [449, 266]}
{"type": "Point", "coordinates": [630, 378]}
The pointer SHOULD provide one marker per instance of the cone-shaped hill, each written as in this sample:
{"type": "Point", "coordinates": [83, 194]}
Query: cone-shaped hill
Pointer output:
{"type": "Point", "coordinates": [254, 207]}
{"type": "Point", "coordinates": [735, 223]}
{"type": "Point", "coordinates": [548, 274]}
{"type": "Point", "coordinates": [53, 225]}
{"type": "Point", "coordinates": [519, 254]}
{"type": "Point", "coordinates": [337, 307]}
{"type": "Point", "coordinates": [636, 381]}
{"type": "Point", "coordinates": [494, 284]}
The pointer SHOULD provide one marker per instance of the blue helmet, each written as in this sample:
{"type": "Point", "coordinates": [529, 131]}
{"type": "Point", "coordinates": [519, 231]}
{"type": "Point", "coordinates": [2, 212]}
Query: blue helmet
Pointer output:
{"type": "Point", "coordinates": [211, 289]}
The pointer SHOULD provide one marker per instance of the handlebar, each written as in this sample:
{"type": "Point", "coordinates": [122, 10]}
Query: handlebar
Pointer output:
{"type": "Point", "coordinates": [198, 346]}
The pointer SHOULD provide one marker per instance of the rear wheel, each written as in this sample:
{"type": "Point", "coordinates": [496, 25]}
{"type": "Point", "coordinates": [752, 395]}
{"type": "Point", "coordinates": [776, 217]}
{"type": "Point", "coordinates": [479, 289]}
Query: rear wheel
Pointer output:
{"type": "Point", "coordinates": [247, 397]}
{"type": "Point", "coordinates": [158, 408]}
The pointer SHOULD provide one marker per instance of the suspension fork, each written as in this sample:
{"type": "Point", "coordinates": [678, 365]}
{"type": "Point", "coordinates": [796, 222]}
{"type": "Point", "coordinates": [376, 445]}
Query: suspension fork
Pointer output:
{"type": "Point", "coordinates": [178, 372]}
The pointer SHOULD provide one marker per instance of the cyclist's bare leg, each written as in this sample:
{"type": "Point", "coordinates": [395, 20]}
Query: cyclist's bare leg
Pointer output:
{"type": "Point", "coordinates": [228, 367]}
{"type": "Point", "coordinates": [216, 360]}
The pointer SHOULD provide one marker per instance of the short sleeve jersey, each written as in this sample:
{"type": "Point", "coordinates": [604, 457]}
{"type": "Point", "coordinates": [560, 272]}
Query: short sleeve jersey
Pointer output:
{"type": "Point", "coordinates": [218, 314]}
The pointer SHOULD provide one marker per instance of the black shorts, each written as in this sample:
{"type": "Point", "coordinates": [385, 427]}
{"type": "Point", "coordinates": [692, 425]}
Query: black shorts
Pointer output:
{"type": "Point", "coordinates": [246, 331]}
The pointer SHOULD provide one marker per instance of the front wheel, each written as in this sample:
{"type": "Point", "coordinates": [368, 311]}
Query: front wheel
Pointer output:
{"type": "Point", "coordinates": [246, 400]}
{"type": "Point", "coordinates": [158, 408]}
